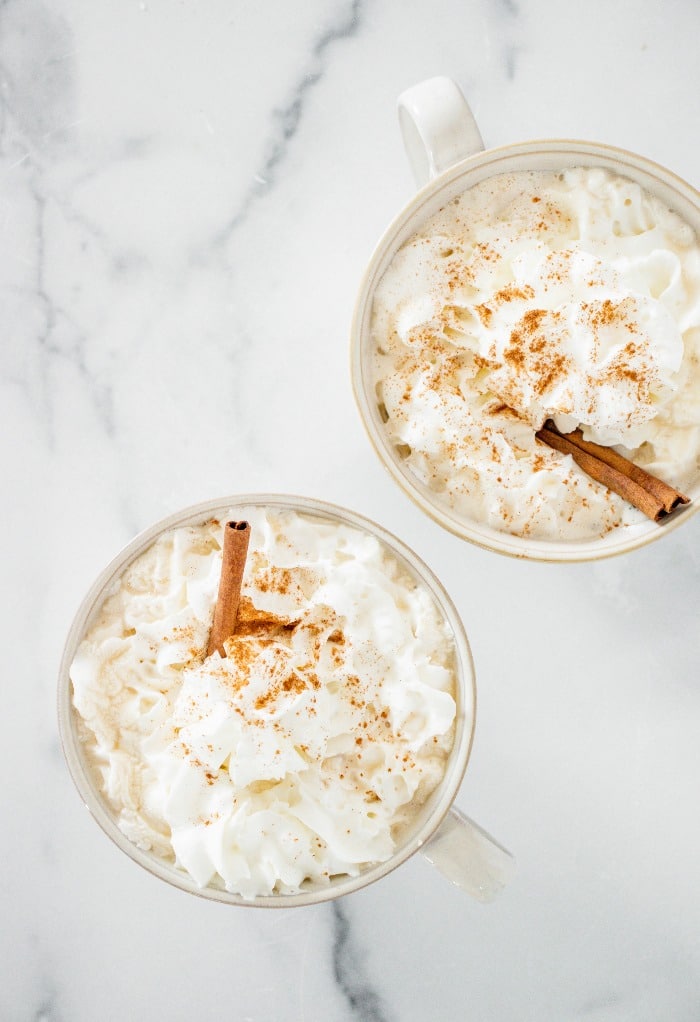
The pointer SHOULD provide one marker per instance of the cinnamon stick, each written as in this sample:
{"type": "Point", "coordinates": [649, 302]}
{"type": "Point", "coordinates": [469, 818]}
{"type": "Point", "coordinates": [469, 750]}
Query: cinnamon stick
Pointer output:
{"type": "Point", "coordinates": [648, 493]}
{"type": "Point", "coordinates": [236, 539]}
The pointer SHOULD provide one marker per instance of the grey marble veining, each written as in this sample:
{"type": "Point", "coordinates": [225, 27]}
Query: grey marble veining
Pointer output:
{"type": "Point", "coordinates": [362, 998]}
{"type": "Point", "coordinates": [286, 117]}
{"type": "Point", "coordinates": [190, 193]}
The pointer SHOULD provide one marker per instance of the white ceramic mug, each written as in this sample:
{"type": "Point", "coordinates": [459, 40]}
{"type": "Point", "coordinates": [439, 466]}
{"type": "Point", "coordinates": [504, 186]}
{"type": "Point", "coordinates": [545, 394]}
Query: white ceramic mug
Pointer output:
{"type": "Point", "coordinates": [447, 156]}
{"type": "Point", "coordinates": [467, 856]}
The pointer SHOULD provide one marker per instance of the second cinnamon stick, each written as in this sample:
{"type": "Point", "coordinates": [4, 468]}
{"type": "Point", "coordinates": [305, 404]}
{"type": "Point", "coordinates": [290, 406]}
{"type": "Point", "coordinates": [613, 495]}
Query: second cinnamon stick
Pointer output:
{"type": "Point", "coordinates": [651, 495]}
{"type": "Point", "coordinates": [668, 496]}
{"type": "Point", "coordinates": [236, 539]}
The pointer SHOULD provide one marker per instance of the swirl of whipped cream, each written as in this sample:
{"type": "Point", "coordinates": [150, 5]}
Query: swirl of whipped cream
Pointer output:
{"type": "Point", "coordinates": [572, 296]}
{"type": "Point", "coordinates": [304, 752]}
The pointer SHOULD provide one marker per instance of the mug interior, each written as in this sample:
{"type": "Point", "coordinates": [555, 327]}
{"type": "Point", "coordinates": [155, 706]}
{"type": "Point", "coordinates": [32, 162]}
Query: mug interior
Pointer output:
{"type": "Point", "coordinates": [552, 155]}
{"type": "Point", "coordinates": [431, 813]}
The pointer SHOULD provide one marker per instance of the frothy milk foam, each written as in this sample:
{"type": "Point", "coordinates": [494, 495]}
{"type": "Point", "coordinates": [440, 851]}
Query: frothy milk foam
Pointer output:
{"type": "Point", "coordinates": [573, 296]}
{"type": "Point", "coordinates": [303, 753]}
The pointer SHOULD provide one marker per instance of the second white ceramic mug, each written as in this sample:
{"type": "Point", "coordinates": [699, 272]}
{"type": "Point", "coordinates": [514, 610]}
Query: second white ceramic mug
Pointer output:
{"type": "Point", "coordinates": [461, 850]}
{"type": "Point", "coordinates": [446, 153]}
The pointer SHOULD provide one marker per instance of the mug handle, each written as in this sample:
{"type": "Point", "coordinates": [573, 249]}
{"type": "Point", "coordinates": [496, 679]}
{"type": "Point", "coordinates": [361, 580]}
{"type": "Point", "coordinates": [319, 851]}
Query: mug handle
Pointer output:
{"type": "Point", "coordinates": [438, 127]}
{"type": "Point", "coordinates": [469, 857]}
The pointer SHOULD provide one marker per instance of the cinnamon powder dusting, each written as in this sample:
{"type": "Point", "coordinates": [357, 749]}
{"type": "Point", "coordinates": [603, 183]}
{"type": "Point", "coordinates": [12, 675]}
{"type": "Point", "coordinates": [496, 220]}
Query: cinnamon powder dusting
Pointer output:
{"type": "Point", "coordinates": [528, 352]}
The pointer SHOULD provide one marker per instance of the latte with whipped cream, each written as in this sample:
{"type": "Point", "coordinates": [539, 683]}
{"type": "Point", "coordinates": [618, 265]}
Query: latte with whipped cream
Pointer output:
{"type": "Point", "coordinates": [572, 296]}
{"type": "Point", "coordinates": [307, 750]}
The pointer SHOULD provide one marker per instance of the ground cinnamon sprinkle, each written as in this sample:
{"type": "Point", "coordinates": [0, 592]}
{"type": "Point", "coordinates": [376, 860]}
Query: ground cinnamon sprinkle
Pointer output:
{"type": "Point", "coordinates": [252, 621]}
{"type": "Point", "coordinates": [485, 314]}
{"type": "Point", "coordinates": [528, 353]}
{"type": "Point", "coordinates": [278, 580]}
{"type": "Point", "coordinates": [620, 368]}
{"type": "Point", "coordinates": [515, 354]}
{"type": "Point", "coordinates": [503, 410]}
{"type": "Point", "coordinates": [512, 294]}
{"type": "Point", "coordinates": [532, 320]}
{"type": "Point", "coordinates": [484, 363]}
{"type": "Point", "coordinates": [606, 313]}
{"type": "Point", "coordinates": [291, 682]}
{"type": "Point", "coordinates": [549, 371]}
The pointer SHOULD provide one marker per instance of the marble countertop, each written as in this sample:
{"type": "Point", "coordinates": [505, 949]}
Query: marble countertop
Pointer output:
{"type": "Point", "coordinates": [190, 192]}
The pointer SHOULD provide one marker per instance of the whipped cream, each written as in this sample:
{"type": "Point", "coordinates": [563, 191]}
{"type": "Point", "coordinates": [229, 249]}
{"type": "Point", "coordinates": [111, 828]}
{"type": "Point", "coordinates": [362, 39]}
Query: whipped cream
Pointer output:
{"type": "Point", "coordinates": [573, 296]}
{"type": "Point", "coordinates": [304, 752]}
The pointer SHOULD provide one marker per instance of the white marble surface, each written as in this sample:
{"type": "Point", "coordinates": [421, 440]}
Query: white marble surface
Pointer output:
{"type": "Point", "coordinates": [190, 191]}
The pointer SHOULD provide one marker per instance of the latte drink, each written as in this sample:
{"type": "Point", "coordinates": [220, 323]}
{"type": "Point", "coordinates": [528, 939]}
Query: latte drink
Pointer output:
{"type": "Point", "coordinates": [306, 751]}
{"type": "Point", "coordinates": [572, 296]}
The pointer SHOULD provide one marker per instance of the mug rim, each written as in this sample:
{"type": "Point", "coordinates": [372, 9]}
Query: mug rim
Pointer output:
{"type": "Point", "coordinates": [471, 530]}
{"type": "Point", "coordinates": [439, 802]}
